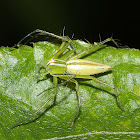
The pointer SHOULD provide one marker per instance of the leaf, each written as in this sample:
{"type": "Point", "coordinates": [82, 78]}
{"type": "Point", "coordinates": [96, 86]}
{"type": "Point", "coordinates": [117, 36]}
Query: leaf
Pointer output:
{"type": "Point", "coordinates": [100, 117]}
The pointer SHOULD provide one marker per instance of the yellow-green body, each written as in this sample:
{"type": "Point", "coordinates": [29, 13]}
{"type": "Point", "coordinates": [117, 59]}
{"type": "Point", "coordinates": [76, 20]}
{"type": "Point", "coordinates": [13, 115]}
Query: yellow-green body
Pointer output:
{"type": "Point", "coordinates": [85, 67]}
{"type": "Point", "coordinates": [75, 67]}
{"type": "Point", "coordinates": [65, 65]}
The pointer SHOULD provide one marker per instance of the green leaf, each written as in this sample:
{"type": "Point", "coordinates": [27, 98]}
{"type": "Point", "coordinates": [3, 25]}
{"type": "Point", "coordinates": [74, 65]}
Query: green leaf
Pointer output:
{"type": "Point", "coordinates": [100, 117]}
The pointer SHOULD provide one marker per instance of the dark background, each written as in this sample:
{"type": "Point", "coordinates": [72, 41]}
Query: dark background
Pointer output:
{"type": "Point", "coordinates": [86, 19]}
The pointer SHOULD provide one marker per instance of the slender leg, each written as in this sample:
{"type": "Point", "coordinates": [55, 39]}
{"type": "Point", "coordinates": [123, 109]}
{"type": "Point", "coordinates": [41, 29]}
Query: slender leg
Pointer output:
{"type": "Point", "coordinates": [62, 48]}
{"type": "Point", "coordinates": [94, 47]}
{"type": "Point", "coordinates": [55, 81]}
{"type": "Point", "coordinates": [65, 77]}
{"type": "Point", "coordinates": [79, 102]}
{"type": "Point", "coordinates": [95, 79]}
{"type": "Point", "coordinates": [20, 123]}
{"type": "Point", "coordinates": [41, 32]}
{"type": "Point", "coordinates": [67, 55]}
{"type": "Point", "coordinates": [54, 96]}
{"type": "Point", "coordinates": [65, 41]}
{"type": "Point", "coordinates": [71, 79]}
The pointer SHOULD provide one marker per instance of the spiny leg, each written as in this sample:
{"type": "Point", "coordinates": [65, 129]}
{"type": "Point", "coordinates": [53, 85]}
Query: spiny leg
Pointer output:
{"type": "Point", "coordinates": [62, 48]}
{"type": "Point", "coordinates": [65, 41]}
{"type": "Point", "coordinates": [70, 52]}
{"type": "Point", "coordinates": [95, 79]}
{"type": "Point", "coordinates": [54, 96]}
{"type": "Point", "coordinates": [71, 79]}
{"type": "Point", "coordinates": [41, 32]}
{"type": "Point", "coordinates": [67, 55]}
{"type": "Point", "coordinates": [20, 123]}
{"type": "Point", "coordinates": [79, 102]}
{"type": "Point", "coordinates": [116, 95]}
{"type": "Point", "coordinates": [94, 47]}
{"type": "Point", "coordinates": [65, 77]}
{"type": "Point", "coordinates": [55, 81]}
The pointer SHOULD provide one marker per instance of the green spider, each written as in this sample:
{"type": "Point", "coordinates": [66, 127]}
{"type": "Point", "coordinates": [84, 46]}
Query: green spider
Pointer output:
{"type": "Point", "coordinates": [65, 65]}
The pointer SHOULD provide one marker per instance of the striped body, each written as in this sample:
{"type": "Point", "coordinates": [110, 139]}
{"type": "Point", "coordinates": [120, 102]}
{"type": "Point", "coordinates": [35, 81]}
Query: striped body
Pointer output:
{"type": "Point", "coordinates": [76, 67]}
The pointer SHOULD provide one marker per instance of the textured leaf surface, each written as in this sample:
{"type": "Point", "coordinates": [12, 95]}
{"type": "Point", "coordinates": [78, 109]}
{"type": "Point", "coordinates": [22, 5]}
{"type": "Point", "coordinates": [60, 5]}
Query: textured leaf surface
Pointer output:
{"type": "Point", "coordinates": [100, 116]}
